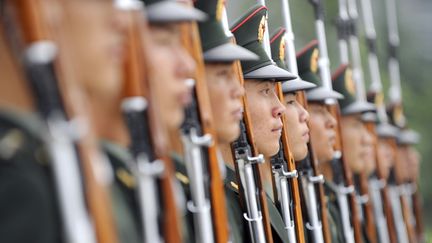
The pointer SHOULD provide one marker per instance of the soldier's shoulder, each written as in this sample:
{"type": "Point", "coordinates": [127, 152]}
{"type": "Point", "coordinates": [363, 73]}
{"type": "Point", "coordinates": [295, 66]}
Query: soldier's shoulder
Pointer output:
{"type": "Point", "coordinates": [22, 135]}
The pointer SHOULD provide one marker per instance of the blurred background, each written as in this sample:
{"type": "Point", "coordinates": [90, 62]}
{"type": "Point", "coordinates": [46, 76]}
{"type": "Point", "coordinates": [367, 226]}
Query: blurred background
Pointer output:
{"type": "Point", "coordinates": [415, 56]}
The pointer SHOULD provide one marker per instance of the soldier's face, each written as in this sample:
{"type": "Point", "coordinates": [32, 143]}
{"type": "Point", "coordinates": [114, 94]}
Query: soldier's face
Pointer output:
{"type": "Point", "coordinates": [170, 66]}
{"type": "Point", "coordinates": [385, 156]}
{"type": "Point", "coordinates": [410, 162]}
{"type": "Point", "coordinates": [414, 161]}
{"type": "Point", "coordinates": [322, 131]}
{"type": "Point", "coordinates": [265, 111]}
{"type": "Point", "coordinates": [225, 97]}
{"type": "Point", "coordinates": [369, 158]}
{"type": "Point", "coordinates": [298, 133]}
{"type": "Point", "coordinates": [96, 33]}
{"type": "Point", "coordinates": [357, 142]}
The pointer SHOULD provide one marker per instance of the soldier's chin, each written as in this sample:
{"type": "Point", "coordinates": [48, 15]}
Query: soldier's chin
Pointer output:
{"type": "Point", "coordinates": [173, 120]}
{"type": "Point", "coordinates": [269, 149]}
{"type": "Point", "coordinates": [228, 134]}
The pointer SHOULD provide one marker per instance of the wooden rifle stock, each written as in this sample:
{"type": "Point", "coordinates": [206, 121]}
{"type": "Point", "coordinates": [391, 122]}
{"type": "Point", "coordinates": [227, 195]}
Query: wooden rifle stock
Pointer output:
{"type": "Point", "coordinates": [404, 204]}
{"type": "Point", "coordinates": [301, 97]}
{"type": "Point", "coordinates": [384, 191]}
{"type": "Point", "coordinates": [137, 84]}
{"type": "Point", "coordinates": [418, 212]}
{"type": "Point", "coordinates": [369, 219]}
{"type": "Point", "coordinates": [191, 41]}
{"type": "Point", "coordinates": [298, 217]}
{"type": "Point", "coordinates": [28, 14]}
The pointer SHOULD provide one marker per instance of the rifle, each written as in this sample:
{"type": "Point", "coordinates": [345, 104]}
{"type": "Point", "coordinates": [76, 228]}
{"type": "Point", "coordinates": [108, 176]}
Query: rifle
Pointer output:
{"type": "Point", "coordinates": [152, 167]}
{"type": "Point", "coordinates": [386, 231]}
{"type": "Point", "coordinates": [368, 219]}
{"type": "Point", "coordinates": [311, 181]}
{"type": "Point", "coordinates": [287, 193]}
{"type": "Point", "coordinates": [247, 160]}
{"type": "Point", "coordinates": [395, 96]}
{"type": "Point", "coordinates": [342, 174]}
{"type": "Point", "coordinates": [418, 212]}
{"type": "Point", "coordinates": [75, 159]}
{"type": "Point", "coordinates": [248, 173]}
{"type": "Point", "coordinates": [201, 153]}
{"type": "Point", "coordinates": [380, 199]}
{"type": "Point", "coordinates": [310, 173]}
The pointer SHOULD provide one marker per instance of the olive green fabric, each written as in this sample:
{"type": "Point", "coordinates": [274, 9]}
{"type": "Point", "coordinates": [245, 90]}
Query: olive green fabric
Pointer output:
{"type": "Point", "coordinates": [216, 45]}
{"type": "Point", "coordinates": [187, 222]}
{"type": "Point", "coordinates": [307, 64]}
{"type": "Point", "coordinates": [28, 205]}
{"type": "Point", "coordinates": [249, 32]}
{"type": "Point", "coordinates": [278, 226]}
{"type": "Point", "coordinates": [333, 213]}
{"type": "Point", "coordinates": [211, 31]}
{"type": "Point", "coordinates": [343, 83]}
{"type": "Point", "coordinates": [279, 232]}
{"type": "Point", "coordinates": [277, 44]}
{"type": "Point", "coordinates": [308, 68]}
{"type": "Point", "coordinates": [123, 194]}
{"type": "Point", "coordinates": [238, 226]}
{"type": "Point", "coordinates": [246, 31]}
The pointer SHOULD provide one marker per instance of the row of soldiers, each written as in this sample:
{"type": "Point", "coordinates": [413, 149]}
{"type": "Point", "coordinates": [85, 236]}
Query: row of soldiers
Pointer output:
{"type": "Point", "coordinates": [157, 121]}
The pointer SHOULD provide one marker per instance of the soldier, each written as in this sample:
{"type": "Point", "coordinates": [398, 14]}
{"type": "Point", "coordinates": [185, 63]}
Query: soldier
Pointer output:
{"type": "Point", "coordinates": [83, 24]}
{"type": "Point", "coordinates": [406, 140]}
{"type": "Point", "coordinates": [322, 123]}
{"type": "Point", "coordinates": [168, 69]}
{"type": "Point", "coordinates": [296, 115]}
{"type": "Point", "coordinates": [409, 156]}
{"type": "Point", "coordinates": [322, 127]}
{"type": "Point", "coordinates": [356, 139]}
{"type": "Point", "coordinates": [28, 204]}
{"type": "Point", "coordinates": [171, 65]}
{"type": "Point", "coordinates": [105, 100]}
{"type": "Point", "coordinates": [262, 101]}
{"type": "Point", "coordinates": [225, 92]}
{"type": "Point", "coordinates": [385, 132]}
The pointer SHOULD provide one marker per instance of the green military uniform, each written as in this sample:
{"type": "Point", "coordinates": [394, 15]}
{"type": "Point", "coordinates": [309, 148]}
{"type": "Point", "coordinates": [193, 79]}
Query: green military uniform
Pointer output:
{"type": "Point", "coordinates": [218, 47]}
{"type": "Point", "coordinates": [277, 44]}
{"type": "Point", "coordinates": [350, 105]}
{"type": "Point", "coordinates": [333, 212]}
{"type": "Point", "coordinates": [307, 62]}
{"type": "Point", "coordinates": [236, 214]}
{"type": "Point", "coordinates": [249, 32]}
{"type": "Point", "coordinates": [28, 203]}
{"type": "Point", "coordinates": [123, 194]}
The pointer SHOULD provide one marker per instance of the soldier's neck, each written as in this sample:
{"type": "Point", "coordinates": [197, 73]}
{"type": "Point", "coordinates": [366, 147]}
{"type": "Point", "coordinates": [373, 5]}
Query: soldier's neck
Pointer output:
{"type": "Point", "coordinates": [326, 169]}
{"type": "Point", "coordinates": [108, 121]}
{"type": "Point", "coordinates": [266, 177]}
{"type": "Point", "coordinates": [14, 91]}
{"type": "Point", "coordinates": [226, 152]}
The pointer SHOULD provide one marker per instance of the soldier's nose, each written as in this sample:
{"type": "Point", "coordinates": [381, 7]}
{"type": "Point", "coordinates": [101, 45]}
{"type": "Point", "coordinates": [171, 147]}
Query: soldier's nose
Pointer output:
{"type": "Point", "coordinates": [186, 64]}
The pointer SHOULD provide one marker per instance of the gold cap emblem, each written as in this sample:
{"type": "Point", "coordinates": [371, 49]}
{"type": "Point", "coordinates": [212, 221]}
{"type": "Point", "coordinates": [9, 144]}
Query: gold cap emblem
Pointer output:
{"type": "Point", "coordinates": [282, 49]}
{"type": "Point", "coordinates": [379, 99]}
{"type": "Point", "coordinates": [261, 29]}
{"type": "Point", "coordinates": [314, 60]}
{"type": "Point", "coordinates": [349, 82]}
{"type": "Point", "coordinates": [219, 9]}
